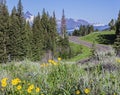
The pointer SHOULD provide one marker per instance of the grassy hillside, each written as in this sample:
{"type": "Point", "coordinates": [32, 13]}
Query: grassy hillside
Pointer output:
{"type": "Point", "coordinates": [80, 52]}
{"type": "Point", "coordinates": [59, 78]}
{"type": "Point", "coordinates": [101, 37]}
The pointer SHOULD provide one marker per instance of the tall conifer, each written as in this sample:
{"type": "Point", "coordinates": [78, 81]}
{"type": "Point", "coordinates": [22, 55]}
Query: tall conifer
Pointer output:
{"type": "Point", "coordinates": [4, 29]}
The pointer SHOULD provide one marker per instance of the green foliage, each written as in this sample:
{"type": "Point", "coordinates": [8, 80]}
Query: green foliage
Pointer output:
{"type": "Point", "coordinates": [76, 33]}
{"type": "Point", "coordinates": [63, 25]}
{"type": "Point", "coordinates": [4, 29]}
{"type": "Point", "coordinates": [28, 40]}
{"type": "Point", "coordinates": [79, 52]}
{"type": "Point", "coordinates": [63, 45]}
{"type": "Point", "coordinates": [104, 37]}
{"type": "Point", "coordinates": [83, 30]}
{"type": "Point", "coordinates": [117, 40]}
{"type": "Point", "coordinates": [112, 24]}
{"type": "Point", "coordinates": [64, 78]}
{"type": "Point", "coordinates": [18, 40]}
{"type": "Point", "coordinates": [63, 48]}
{"type": "Point", "coordinates": [117, 45]}
{"type": "Point", "coordinates": [37, 39]}
{"type": "Point", "coordinates": [118, 25]}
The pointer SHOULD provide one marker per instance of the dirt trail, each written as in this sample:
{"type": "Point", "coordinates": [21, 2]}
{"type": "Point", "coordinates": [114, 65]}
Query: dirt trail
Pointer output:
{"type": "Point", "coordinates": [77, 40]}
{"type": "Point", "coordinates": [99, 47]}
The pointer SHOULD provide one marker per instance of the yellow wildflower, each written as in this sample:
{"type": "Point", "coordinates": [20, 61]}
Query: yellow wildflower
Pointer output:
{"type": "Point", "coordinates": [15, 81]}
{"type": "Point", "coordinates": [4, 80]}
{"type": "Point", "coordinates": [29, 90]}
{"type": "Point", "coordinates": [59, 59]}
{"type": "Point", "coordinates": [18, 80]}
{"type": "Point", "coordinates": [54, 63]}
{"type": "Point", "coordinates": [77, 92]}
{"type": "Point", "coordinates": [49, 60]}
{"type": "Point", "coordinates": [118, 60]}
{"type": "Point", "coordinates": [37, 89]}
{"type": "Point", "coordinates": [3, 84]}
{"type": "Point", "coordinates": [31, 86]}
{"type": "Point", "coordinates": [87, 90]}
{"type": "Point", "coordinates": [19, 87]}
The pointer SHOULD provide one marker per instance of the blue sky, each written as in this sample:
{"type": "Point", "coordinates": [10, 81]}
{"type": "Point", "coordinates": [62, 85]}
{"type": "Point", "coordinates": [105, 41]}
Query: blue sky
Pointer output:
{"type": "Point", "coordinates": [93, 11]}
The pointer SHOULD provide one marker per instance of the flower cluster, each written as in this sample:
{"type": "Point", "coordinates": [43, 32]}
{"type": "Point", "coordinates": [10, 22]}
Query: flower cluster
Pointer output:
{"type": "Point", "coordinates": [51, 62]}
{"type": "Point", "coordinates": [15, 81]}
{"type": "Point", "coordinates": [86, 91]}
{"type": "Point", "coordinates": [4, 82]}
{"type": "Point", "coordinates": [17, 86]}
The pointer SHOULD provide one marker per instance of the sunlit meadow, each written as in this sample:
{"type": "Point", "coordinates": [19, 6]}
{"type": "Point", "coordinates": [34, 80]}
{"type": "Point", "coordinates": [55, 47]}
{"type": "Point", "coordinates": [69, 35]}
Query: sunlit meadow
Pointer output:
{"type": "Point", "coordinates": [59, 78]}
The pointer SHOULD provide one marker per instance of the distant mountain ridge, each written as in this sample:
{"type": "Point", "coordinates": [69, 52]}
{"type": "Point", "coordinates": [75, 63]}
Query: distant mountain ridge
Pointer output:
{"type": "Point", "coordinates": [71, 24]}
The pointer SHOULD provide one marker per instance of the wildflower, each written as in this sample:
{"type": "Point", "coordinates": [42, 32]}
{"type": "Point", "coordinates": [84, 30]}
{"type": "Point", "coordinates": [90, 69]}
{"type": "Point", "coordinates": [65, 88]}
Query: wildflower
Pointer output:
{"type": "Point", "coordinates": [59, 59]}
{"type": "Point", "coordinates": [15, 81]}
{"type": "Point", "coordinates": [49, 60]}
{"type": "Point", "coordinates": [29, 90]}
{"type": "Point", "coordinates": [77, 92]}
{"type": "Point", "coordinates": [118, 60]}
{"type": "Point", "coordinates": [54, 63]}
{"type": "Point", "coordinates": [4, 80]}
{"type": "Point", "coordinates": [19, 87]}
{"type": "Point", "coordinates": [37, 89]}
{"type": "Point", "coordinates": [87, 91]}
{"type": "Point", "coordinates": [18, 80]}
{"type": "Point", "coordinates": [31, 86]}
{"type": "Point", "coordinates": [3, 84]}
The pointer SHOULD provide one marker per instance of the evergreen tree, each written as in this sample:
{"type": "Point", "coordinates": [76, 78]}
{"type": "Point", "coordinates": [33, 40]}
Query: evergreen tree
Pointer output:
{"type": "Point", "coordinates": [63, 25]}
{"type": "Point", "coordinates": [4, 29]}
{"type": "Point", "coordinates": [21, 32]}
{"type": "Point", "coordinates": [63, 43]}
{"type": "Point", "coordinates": [50, 34]}
{"type": "Point", "coordinates": [28, 40]}
{"type": "Point", "coordinates": [37, 39]}
{"type": "Point", "coordinates": [13, 35]}
{"type": "Point", "coordinates": [53, 34]}
{"type": "Point", "coordinates": [117, 45]}
{"type": "Point", "coordinates": [81, 30]}
{"type": "Point", "coordinates": [76, 33]}
{"type": "Point", "coordinates": [117, 40]}
{"type": "Point", "coordinates": [112, 24]}
{"type": "Point", "coordinates": [118, 25]}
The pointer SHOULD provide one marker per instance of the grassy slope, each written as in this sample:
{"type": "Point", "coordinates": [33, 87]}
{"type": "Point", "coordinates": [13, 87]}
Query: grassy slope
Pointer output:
{"type": "Point", "coordinates": [62, 79]}
{"type": "Point", "coordinates": [85, 52]}
{"type": "Point", "coordinates": [104, 37]}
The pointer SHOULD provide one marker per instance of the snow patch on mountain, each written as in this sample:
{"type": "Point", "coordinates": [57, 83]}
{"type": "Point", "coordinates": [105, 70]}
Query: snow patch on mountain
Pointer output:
{"type": "Point", "coordinates": [29, 17]}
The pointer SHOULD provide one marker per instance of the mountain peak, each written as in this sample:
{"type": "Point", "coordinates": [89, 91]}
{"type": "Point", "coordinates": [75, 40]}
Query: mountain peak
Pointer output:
{"type": "Point", "coordinates": [28, 13]}
{"type": "Point", "coordinates": [29, 17]}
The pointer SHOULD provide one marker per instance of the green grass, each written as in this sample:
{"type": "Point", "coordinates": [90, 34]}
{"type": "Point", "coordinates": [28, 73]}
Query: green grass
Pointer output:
{"type": "Point", "coordinates": [101, 37]}
{"type": "Point", "coordinates": [85, 52]}
{"type": "Point", "coordinates": [62, 79]}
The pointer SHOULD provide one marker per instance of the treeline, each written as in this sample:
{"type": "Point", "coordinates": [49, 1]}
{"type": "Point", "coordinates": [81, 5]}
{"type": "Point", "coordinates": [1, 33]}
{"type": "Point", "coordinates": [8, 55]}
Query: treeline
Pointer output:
{"type": "Point", "coordinates": [117, 34]}
{"type": "Point", "coordinates": [19, 40]}
{"type": "Point", "coordinates": [83, 30]}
